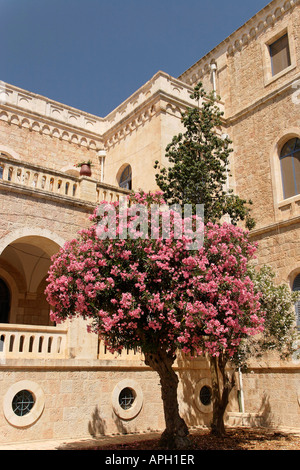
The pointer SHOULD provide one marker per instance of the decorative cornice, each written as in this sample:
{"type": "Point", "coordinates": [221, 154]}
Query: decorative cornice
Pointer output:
{"type": "Point", "coordinates": [162, 94]}
{"type": "Point", "coordinates": [48, 117]}
{"type": "Point", "coordinates": [258, 24]}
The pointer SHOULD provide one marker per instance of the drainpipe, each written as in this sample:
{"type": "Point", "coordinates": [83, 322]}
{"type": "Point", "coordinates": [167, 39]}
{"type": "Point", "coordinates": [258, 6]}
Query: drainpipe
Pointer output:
{"type": "Point", "coordinates": [213, 68]}
{"type": "Point", "coordinates": [226, 217]}
{"type": "Point", "coordinates": [102, 155]}
{"type": "Point", "coordinates": [241, 397]}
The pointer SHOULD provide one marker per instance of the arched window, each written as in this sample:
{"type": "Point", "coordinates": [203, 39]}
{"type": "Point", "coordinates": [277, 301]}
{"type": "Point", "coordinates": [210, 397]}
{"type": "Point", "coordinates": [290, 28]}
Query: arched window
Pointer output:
{"type": "Point", "coordinates": [126, 178]}
{"type": "Point", "coordinates": [4, 302]}
{"type": "Point", "coordinates": [290, 168]}
{"type": "Point", "coordinates": [296, 287]}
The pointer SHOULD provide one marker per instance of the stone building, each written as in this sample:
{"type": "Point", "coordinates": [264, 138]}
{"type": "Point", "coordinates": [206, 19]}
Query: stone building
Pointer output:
{"type": "Point", "coordinates": [59, 381]}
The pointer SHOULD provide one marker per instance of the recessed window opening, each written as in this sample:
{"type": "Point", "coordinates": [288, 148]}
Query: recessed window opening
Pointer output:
{"type": "Point", "coordinates": [205, 395]}
{"type": "Point", "coordinates": [280, 54]}
{"type": "Point", "coordinates": [290, 168]}
{"type": "Point", "coordinates": [126, 398]}
{"type": "Point", "coordinates": [126, 178]}
{"type": "Point", "coordinates": [22, 403]}
{"type": "Point", "coordinates": [296, 287]}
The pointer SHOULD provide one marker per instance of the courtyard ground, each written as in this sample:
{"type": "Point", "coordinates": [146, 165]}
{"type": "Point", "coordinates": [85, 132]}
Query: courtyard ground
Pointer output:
{"type": "Point", "coordinates": [236, 439]}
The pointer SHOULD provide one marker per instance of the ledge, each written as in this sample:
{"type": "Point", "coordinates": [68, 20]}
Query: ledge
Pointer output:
{"type": "Point", "coordinates": [275, 226]}
{"type": "Point", "coordinates": [40, 194]}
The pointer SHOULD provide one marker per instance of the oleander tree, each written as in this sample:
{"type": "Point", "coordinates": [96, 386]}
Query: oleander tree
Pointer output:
{"type": "Point", "coordinates": [198, 164]}
{"type": "Point", "coordinates": [157, 293]}
{"type": "Point", "coordinates": [198, 173]}
{"type": "Point", "coordinates": [281, 334]}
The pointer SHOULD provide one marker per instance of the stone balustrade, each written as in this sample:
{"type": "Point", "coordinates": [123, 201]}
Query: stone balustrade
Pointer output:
{"type": "Point", "coordinates": [32, 342]}
{"type": "Point", "coordinates": [50, 342]}
{"type": "Point", "coordinates": [127, 354]}
{"type": "Point", "coordinates": [34, 177]}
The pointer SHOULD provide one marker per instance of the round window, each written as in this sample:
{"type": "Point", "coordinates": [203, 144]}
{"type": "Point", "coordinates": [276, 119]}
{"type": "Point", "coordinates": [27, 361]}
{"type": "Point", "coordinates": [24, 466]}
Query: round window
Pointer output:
{"type": "Point", "coordinates": [126, 398]}
{"type": "Point", "coordinates": [205, 395]}
{"type": "Point", "coordinates": [22, 403]}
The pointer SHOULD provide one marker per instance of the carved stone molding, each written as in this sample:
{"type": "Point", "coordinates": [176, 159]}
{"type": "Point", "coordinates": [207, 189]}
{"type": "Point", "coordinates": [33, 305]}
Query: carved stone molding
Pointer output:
{"type": "Point", "coordinates": [52, 130]}
{"type": "Point", "coordinates": [39, 114]}
{"type": "Point", "coordinates": [250, 31]}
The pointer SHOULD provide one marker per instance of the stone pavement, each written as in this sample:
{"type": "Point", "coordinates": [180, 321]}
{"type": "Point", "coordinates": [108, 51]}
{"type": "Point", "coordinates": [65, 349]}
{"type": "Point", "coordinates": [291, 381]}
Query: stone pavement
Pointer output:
{"type": "Point", "coordinates": [86, 443]}
{"type": "Point", "coordinates": [75, 444]}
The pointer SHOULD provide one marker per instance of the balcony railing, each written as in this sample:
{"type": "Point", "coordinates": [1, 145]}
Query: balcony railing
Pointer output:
{"type": "Point", "coordinates": [34, 177]}
{"type": "Point", "coordinates": [127, 354]}
{"type": "Point", "coordinates": [48, 342]}
{"type": "Point", "coordinates": [32, 342]}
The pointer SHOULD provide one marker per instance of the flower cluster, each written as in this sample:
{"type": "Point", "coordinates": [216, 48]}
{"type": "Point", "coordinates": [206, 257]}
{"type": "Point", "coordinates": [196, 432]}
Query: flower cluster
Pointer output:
{"type": "Point", "coordinates": [150, 293]}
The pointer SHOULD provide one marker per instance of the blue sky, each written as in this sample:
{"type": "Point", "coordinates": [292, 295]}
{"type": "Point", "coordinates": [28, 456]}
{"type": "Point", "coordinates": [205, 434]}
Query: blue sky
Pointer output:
{"type": "Point", "coordinates": [93, 54]}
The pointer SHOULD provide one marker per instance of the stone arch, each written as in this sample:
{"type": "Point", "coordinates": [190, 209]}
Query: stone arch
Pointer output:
{"type": "Point", "coordinates": [28, 251]}
{"type": "Point", "coordinates": [71, 170]}
{"type": "Point", "coordinates": [47, 238]}
{"type": "Point", "coordinates": [9, 152]}
{"type": "Point", "coordinates": [293, 274]}
{"type": "Point", "coordinates": [120, 172]}
{"type": "Point", "coordinates": [276, 147]}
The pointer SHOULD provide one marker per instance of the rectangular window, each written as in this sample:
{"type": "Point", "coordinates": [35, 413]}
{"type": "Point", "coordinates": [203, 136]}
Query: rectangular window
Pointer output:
{"type": "Point", "coordinates": [280, 54]}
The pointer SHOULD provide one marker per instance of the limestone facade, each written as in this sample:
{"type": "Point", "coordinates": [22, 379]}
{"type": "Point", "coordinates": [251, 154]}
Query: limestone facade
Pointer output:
{"type": "Point", "coordinates": [44, 200]}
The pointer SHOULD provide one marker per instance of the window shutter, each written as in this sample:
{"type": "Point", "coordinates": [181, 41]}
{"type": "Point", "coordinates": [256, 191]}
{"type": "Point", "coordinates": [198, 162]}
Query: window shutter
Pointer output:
{"type": "Point", "coordinates": [280, 54]}
{"type": "Point", "coordinates": [296, 287]}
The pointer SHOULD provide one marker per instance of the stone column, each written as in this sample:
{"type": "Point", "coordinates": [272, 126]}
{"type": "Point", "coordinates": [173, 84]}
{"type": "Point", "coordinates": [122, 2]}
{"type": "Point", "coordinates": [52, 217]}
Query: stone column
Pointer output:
{"type": "Point", "coordinates": [81, 343]}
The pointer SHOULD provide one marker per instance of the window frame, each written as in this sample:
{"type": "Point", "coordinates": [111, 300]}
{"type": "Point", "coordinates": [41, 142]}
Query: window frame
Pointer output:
{"type": "Point", "coordinates": [268, 41]}
{"type": "Point", "coordinates": [128, 180]}
{"type": "Point", "coordinates": [284, 209]}
{"type": "Point", "coordinates": [131, 412]}
{"type": "Point", "coordinates": [36, 411]}
{"type": "Point", "coordinates": [271, 45]}
{"type": "Point", "coordinates": [281, 158]}
{"type": "Point", "coordinates": [297, 305]}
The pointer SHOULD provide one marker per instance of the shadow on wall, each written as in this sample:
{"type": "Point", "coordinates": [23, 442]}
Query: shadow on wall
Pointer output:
{"type": "Point", "coordinates": [265, 411]}
{"type": "Point", "coordinates": [97, 425]}
{"type": "Point", "coordinates": [194, 412]}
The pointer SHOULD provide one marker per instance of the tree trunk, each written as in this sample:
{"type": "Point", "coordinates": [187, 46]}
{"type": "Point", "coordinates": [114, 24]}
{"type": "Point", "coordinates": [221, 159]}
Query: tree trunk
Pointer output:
{"type": "Point", "coordinates": [175, 436]}
{"type": "Point", "coordinates": [220, 393]}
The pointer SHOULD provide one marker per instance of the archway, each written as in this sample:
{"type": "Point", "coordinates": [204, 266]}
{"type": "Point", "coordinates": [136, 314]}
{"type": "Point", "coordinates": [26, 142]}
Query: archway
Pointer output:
{"type": "Point", "coordinates": [27, 259]}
